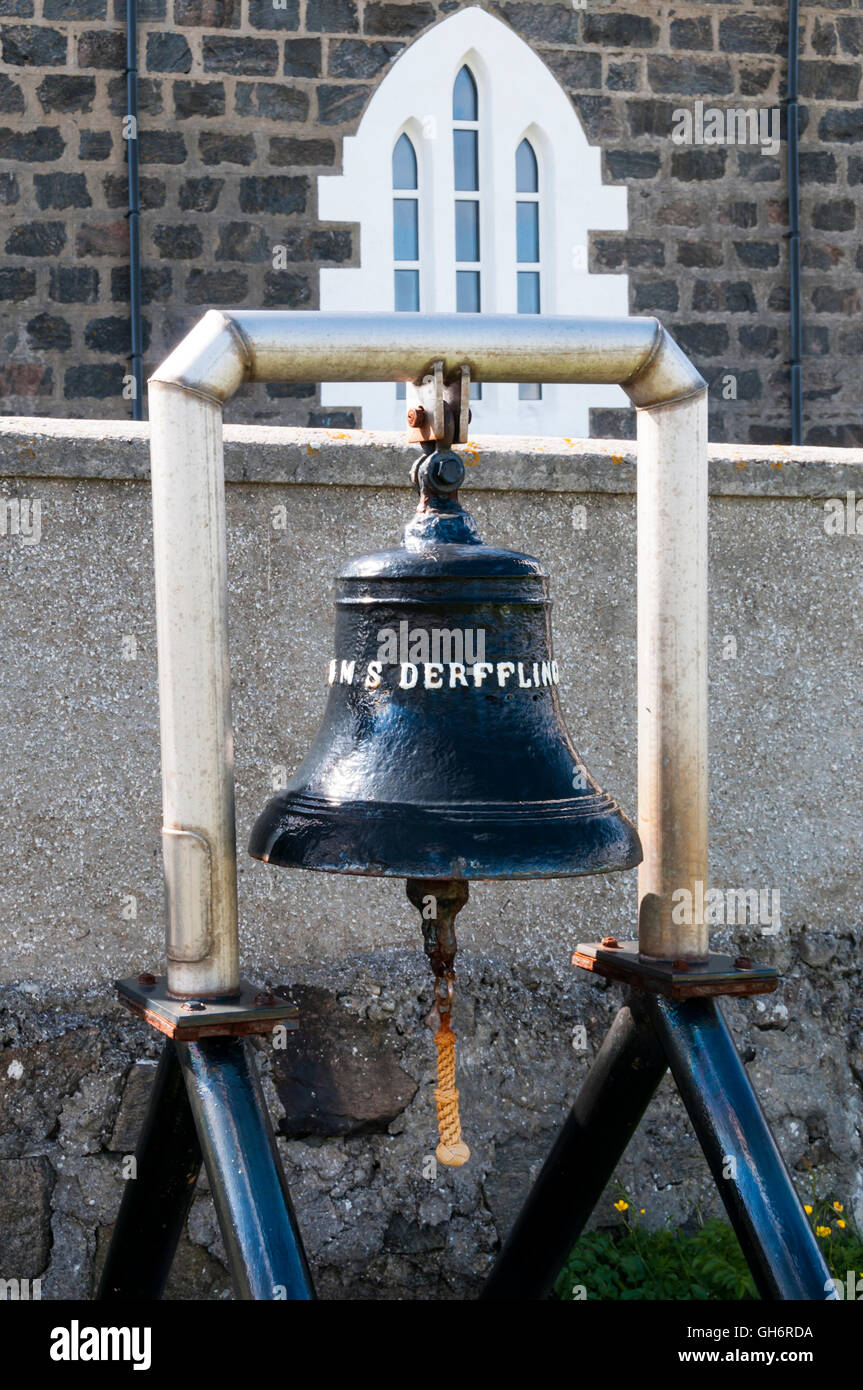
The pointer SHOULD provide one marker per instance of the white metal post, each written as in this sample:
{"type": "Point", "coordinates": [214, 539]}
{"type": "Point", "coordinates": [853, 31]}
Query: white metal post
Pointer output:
{"type": "Point", "coordinates": [672, 676]}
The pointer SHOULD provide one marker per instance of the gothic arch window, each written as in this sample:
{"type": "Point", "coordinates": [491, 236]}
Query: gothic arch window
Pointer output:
{"type": "Point", "coordinates": [527, 241]}
{"type": "Point", "coordinates": [406, 254]}
{"type": "Point", "coordinates": [475, 188]}
{"type": "Point", "coordinates": [465, 163]}
{"type": "Point", "coordinates": [406, 235]}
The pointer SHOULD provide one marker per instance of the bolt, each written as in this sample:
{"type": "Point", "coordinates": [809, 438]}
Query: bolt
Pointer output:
{"type": "Point", "coordinates": [611, 943]}
{"type": "Point", "coordinates": [449, 469]}
{"type": "Point", "coordinates": [680, 965]}
{"type": "Point", "coordinates": [146, 979]}
{"type": "Point", "coordinates": [194, 1006]}
{"type": "Point", "coordinates": [416, 417]}
{"type": "Point", "coordinates": [444, 471]}
{"type": "Point", "coordinates": [742, 963]}
{"type": "Point", "coordinates": [265, 999]}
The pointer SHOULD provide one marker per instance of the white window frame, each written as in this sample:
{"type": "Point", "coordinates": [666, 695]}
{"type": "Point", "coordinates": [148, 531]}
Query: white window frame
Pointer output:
{"type": "Point", "coordinates": [519, 98]}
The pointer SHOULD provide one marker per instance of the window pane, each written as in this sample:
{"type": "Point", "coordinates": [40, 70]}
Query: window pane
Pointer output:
{"type": "Point", "coordinates": [405, 230]}
{"type": "Point", "coordinates": [407, 294]}
{"type": "Point", "coordinates": [464, 104]}
{"type": "Point", "coordinates": [526, 175]}
{"type": "Point", "coordinates": [467, 291]}
{"type": "Point", "coordinates": [528, 291]}
{"type": "Point", "coordinates": [404, 164]}
{"type": "Point", "coordinates": [401, 391]}
{"type": "Point", "coordinates": [527, 231]}
{"type": "Point", "coordinates": [467, 231]}
{"type": "Point", "coordinates": [465, 159]}
{"type": "Point", "coordinates": [531, 391]}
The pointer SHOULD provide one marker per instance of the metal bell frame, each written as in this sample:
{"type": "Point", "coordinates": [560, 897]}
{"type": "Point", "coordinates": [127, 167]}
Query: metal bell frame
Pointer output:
{"type": "Point", "coordinates": [206, 1103]}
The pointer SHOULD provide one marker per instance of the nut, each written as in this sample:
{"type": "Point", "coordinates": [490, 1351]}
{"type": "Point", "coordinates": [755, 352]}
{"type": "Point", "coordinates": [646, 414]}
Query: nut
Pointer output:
{"type": "Point", "coordinates": [742, 963]}
{"type": "Point", "coordinates": [611, 943]}
{"type": "Point", "coordinates": [416, 417]}
{"type": "Point", "coordinates": [146, 980]}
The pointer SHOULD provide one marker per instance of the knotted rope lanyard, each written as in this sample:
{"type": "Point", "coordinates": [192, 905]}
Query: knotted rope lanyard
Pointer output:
{"type": "Point", "coordinates": [438, 902]}
{"type": "Point", "coordinates": [452, 1150]}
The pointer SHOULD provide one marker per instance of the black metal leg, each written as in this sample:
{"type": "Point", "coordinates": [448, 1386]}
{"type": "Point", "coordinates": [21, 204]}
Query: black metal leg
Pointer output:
{"type": "Point", "coordinates": [628, 1068]}
{"type": "Point", "coordinates": [778, 1242]}
{"type": "Point", "coordinates": [265, 1250]}
{"type": "Point", "coordinates": [156, 1201]}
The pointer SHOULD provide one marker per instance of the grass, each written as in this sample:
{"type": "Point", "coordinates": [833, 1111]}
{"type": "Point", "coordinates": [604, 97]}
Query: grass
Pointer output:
{"type": "Point", "coordinates": [631, 1262]}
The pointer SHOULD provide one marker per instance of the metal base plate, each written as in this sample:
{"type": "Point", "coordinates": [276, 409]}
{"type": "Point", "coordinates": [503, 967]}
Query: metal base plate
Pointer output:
{"type": "Point", "coordinates": [187, 1020]}
{"type": "Point", "coordinates": [676, 979]}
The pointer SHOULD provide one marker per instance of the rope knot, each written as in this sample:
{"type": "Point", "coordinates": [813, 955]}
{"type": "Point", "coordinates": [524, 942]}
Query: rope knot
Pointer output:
{"type": "Point", "coordinates": [451, 1151]}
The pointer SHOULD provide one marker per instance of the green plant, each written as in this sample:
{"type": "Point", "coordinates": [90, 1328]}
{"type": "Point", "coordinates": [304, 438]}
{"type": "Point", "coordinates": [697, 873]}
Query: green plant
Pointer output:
{"type": "Point", "coordinates": [631, 1262]}
{"type": "Point", "coordinates": [839, 1237]}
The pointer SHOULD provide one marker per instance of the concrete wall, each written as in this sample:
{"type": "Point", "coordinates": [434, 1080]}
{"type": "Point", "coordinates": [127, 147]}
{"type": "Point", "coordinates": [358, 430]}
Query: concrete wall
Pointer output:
{"type": "Point", "coordinates": [80, 864]}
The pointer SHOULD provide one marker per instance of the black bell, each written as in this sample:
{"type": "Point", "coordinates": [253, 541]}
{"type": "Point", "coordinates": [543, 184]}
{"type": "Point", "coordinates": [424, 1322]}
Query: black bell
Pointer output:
{"type": "Point", "coordinates": [442, 753]}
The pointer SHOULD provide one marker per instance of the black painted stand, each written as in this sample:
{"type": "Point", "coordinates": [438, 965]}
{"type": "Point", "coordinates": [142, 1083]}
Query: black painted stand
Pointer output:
{"type": "Point", "coordinates": [207, 1103]}
{"type": "Point", "coordinates": [690, 1037]}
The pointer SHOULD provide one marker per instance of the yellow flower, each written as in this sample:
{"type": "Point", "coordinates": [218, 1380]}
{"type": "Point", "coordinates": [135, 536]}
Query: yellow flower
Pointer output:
{"type": "Point", "coordinates": [621, 1206]}
{"type": "Point", "coordinates": [837, 1206]}
{"type": "Point", "coordinates": [807, 1209]}
{"type": "Point", "coordinates": [822, 1230]}
{"type": "Point", "coordinates": [641, 1213]}
{"type": "Point", "coordinates": [841, 1223]}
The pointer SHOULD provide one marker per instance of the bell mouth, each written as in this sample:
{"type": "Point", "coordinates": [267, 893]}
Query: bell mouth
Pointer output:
{"type": "Point", "coordinates": [548, 839]}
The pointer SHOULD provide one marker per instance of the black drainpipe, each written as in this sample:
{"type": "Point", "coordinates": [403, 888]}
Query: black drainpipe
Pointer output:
{"type": "Point", "coordinates": [134, 206]}
{"type": "Point", "coordinates": [794, 229]}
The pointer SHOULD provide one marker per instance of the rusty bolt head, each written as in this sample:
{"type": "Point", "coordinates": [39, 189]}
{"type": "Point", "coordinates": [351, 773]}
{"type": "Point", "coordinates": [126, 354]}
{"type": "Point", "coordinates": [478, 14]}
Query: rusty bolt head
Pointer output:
{"type": "Point", "coordinates": [194, 1006]}
{"type": "Point", "coordinates": [416, 417]}
{"type": "Point", "coordinates": [146, 979]}
{"type": "Point", "coordinates": [611, 943]}
{"type": "Point", "coordinates": [742, 963]}
{"type": "Point", "coordinates": [680, 965]}
{"type": "Point", "coordinates": [265, 999]}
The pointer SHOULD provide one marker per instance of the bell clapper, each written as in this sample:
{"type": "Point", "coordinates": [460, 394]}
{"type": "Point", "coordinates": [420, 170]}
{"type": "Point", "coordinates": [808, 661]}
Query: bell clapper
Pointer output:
{"type": "Point", "coordinates": [438, 902]}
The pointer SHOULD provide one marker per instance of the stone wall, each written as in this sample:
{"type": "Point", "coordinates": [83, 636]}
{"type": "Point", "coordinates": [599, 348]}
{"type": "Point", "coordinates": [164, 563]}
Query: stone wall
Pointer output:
{"type": "Point", "coordinates": [243, 104]}
{"type": "Point", "coordinates": [80, 863]}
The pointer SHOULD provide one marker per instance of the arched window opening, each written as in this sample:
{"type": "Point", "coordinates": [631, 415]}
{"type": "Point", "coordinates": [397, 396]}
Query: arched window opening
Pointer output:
{"type": "Point", "coordinates": [466, 181]}
{"type": "Point", "coordinates": [406, 233]}
{"type": "Point", "coordinates": [465, 103]}
{"type": "Point", "coordinates": [465, 153]}
{"type": "Point", "coordinates": [476, 191]}
{"type": "Point", "coordinates": [406, 254]}
{"type": "Point", "coordinates": [527, 250]}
